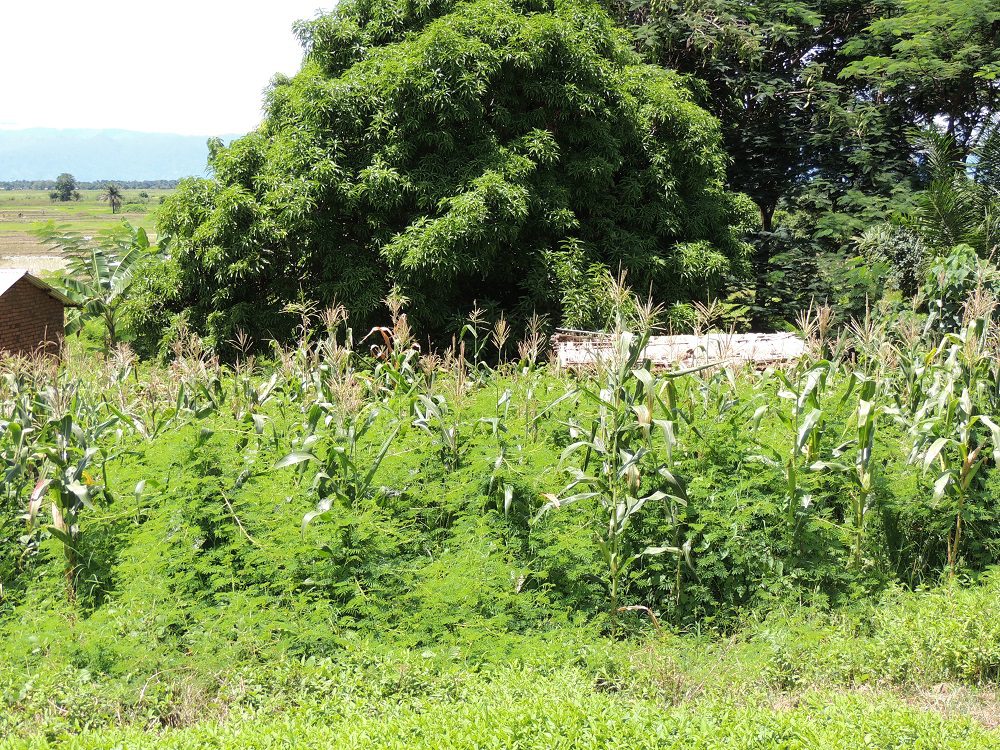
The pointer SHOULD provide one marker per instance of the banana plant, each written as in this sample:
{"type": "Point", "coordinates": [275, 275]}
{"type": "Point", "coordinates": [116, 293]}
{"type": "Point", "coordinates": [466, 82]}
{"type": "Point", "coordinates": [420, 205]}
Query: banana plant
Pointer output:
{"type": "Point", "coordinates": [99, 271]}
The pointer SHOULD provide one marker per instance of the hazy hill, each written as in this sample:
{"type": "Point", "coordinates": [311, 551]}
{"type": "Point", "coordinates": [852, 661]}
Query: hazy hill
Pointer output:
{"type": "Point", "coordinates": [43, 153]}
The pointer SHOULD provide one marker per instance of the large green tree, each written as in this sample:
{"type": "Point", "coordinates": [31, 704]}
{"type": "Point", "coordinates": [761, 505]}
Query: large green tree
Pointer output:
{"type": "Point", "coordinates": [510, 153]}
{"type": "Point", "coordinates": [65, 189]}
{"type": "Point", "coordinates": [938, 61]}
{"type": "Point", "coordinates": [754, 73]}
{"type": "Point", "coordinates": [817, 160]}
{"type": "Point", "coordinates": [822, 103]}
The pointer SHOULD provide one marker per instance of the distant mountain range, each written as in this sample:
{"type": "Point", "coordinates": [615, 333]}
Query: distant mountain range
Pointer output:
{"type": "Point", "coordinates": [44, 153]}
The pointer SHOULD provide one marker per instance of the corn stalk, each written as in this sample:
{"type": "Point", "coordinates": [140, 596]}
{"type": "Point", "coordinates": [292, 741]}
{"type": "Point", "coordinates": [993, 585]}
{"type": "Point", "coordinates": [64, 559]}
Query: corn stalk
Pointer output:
{"type": "Point", "coordinates": [620, 461]}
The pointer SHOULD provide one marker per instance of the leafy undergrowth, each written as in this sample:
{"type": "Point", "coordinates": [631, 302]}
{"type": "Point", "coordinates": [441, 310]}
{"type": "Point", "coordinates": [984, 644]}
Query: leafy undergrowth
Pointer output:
{"type": "Point", "coordinates": [915, 670]}
{"type": "Point", "coordinates": [560, 710]}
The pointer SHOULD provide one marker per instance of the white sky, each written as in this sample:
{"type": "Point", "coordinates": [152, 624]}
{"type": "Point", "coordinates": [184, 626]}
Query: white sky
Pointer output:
{"type": "Point", "coordinates": [194, 67]}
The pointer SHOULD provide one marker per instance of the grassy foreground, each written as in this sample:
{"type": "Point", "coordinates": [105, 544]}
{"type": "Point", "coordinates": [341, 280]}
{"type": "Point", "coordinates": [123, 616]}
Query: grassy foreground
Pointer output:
{"type": "Point", "coordinates": [556, 713]}
{"type": "Point", "coordinates": [915, 670]}
{"type": "Point", "coordinates": [555, 694]}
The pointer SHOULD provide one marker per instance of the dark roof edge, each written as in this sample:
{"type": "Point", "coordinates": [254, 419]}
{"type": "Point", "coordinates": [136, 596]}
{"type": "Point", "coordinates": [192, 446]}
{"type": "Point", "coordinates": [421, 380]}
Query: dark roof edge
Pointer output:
{"type": "Point", "coordinates": [50, 290]}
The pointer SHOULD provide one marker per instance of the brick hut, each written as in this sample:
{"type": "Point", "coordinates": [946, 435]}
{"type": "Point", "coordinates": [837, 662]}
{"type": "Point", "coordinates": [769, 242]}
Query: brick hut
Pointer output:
{"type": "Point", "coordinates": [31, 314]}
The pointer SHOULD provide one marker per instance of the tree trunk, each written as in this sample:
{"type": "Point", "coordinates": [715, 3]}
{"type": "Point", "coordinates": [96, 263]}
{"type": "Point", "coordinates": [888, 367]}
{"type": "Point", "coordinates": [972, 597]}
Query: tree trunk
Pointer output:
{"type": "Point", "coordinates": [762, 255]}
{"type": "Point", "coordinates": [767, 217]}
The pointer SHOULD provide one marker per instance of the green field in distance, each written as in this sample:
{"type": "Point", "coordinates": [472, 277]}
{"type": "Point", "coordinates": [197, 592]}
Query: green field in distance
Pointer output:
{"type": "Point", "coordinates": [21, 210]}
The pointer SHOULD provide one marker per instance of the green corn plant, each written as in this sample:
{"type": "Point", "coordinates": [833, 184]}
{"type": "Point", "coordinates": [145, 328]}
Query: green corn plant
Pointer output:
{"type": "Point", "coordinates": [16, 447]}
{"type": "Point", "coordinates": [250, 392]}
{"type": "Point", "coordinates": [803, 423]}
{"type": "Point", "coordinates": [952, 436]}
{"type": "Point", "coordinates": [332, 443]}
{"type": "Point", "coordinates": [620, 464]}
{"type": "Point", "coordinates": [252, 395]}
{"type": "Point", "coordinates": [66, 453]}
{"type": "Point", "coordinates": [397, 371]}
{"type": "Point", "coordinates": [152, 419]}
{"type": "Point", "coordinates": [398, 374]}
{"type": "Point", "coordinates": [477, 328]}
{"type": "Point", "coordinates": [914, 379]}
{"type": "Point", "coordinates": [17, 436]}
{"type": "Point", "coordinates": [442, 422]}
{"type": "Point", "coordinates": [498, 429]}
{"type": "Point", "coordinates": [20, 424]}
{"type": "Point", "coordinates": [530, 377]}
{"type": "Point", "coordinates": [720, 392]}
{"type": "Point", "coordinates": [863, 423]}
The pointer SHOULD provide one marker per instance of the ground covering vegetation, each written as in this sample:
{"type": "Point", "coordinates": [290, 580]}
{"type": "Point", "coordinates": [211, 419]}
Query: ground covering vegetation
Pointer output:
{"type": "Point", "coordinates": [337, 526]}
{"type": "Point", "coordinates": [308, 477]}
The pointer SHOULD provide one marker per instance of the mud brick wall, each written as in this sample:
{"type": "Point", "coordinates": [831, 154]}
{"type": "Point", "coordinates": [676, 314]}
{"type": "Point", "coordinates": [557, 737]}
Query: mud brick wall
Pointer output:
{"type": "Point", "coordinates": [30, 320]}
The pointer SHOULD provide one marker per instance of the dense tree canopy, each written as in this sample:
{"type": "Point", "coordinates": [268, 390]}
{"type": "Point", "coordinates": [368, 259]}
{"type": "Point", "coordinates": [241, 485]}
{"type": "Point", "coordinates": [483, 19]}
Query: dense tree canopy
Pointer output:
{"type": "Point", "coordinates": [65, 187]}
{"type": "Point", "coordinates": [936, 60]}
{"type": "Point", "coordinates": [795, 124]}
{"type": "Point", "coordinates": [823, 104]}
{"type": "Point", "coordinates": [510, 154]}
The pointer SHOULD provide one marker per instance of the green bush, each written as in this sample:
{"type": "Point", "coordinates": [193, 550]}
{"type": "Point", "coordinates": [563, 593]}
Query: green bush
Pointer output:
{"type": "Point", "coordinates": [510, 153]}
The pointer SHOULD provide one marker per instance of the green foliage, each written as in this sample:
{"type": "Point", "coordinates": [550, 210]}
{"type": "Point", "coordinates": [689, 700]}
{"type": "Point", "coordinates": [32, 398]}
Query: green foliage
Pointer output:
{"type": "Point", "coordinates": [507, 153]}
{"type": "Point", "coordinates": [847, 680]}
{"type": "Point", "coordinates": [936, 60]}
{"type": "Point", "coordinates": [825, 108]}
{"type": "Point", "coordinates": [755, 77]}
{"type": "Point", "coordinates": [99, 272]}
{"type": "Point", "coordinates": [211, 521]}
{"type": "Point", "coordinates": [623, 464]}
{"type": "Point", "coordinates": [355, 543]}
{"type": "Point", "coordinates": [819, 158]}
{"type": "Point", "coordinates": [537, 713]}
{"type": "Point", "coordinates": [898, 250]}
{"type": "Point", "coordinates": [113, 196]}
{"type": "Point", "coordinates": [65, 188]}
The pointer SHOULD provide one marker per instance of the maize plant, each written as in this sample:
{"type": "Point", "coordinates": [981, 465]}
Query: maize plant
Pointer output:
{"type": "Point", "coordinates": [803, 424]}
{"type": "Point", "coordinates": [442, 423]}
{"type": "Point", "coordinates": [251, 395]}
{"type": "Point", "coordinates": [622, 464]}
{"type": "Point", "coordinates": [948, 430]}
{"type": "Point", "coordinates": [68, 456]}
{"type": "Point", "coordinates": [333, 443]}
{"type": "Point", "coordinates": [863, 422]}
{"type": "Point", "coordinates": [498, 429]}
{"type": "Point", "coordinates": [916, 378]}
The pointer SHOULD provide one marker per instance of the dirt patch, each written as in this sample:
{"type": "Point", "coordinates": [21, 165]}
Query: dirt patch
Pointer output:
{"type": "Point", "coordinates": [21, 243]}
{"type": "Point", "coordinates": [21, 250]}
{"type": "Point", "coordinates": [950, 700]}
{"type": "Point", "coordinates": [982, 706]}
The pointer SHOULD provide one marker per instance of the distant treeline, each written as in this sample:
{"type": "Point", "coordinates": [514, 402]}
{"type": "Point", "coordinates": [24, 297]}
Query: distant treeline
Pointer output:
{"type": "Point", "coordinates": [91, 185]}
